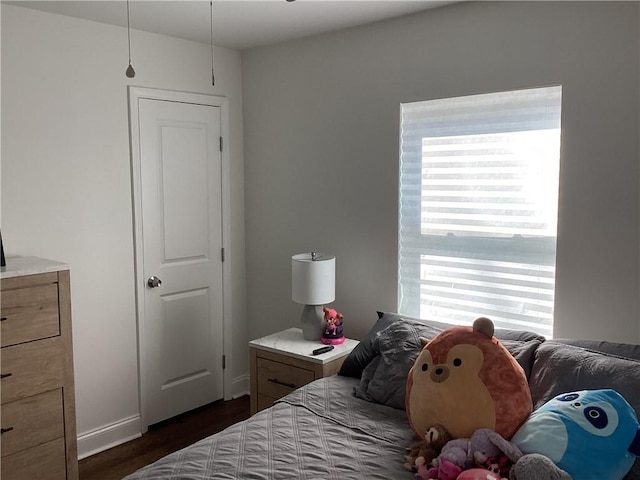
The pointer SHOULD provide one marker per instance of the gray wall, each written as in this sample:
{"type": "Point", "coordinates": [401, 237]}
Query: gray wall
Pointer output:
{"type": "Point", "coordinates": [321, 150]}
{"type": "Point", "coordinates": [66, 188]}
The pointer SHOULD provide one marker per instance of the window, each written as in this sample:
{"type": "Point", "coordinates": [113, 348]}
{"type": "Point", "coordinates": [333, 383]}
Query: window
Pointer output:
{"type": "Point", "coordinates": [478, 208]}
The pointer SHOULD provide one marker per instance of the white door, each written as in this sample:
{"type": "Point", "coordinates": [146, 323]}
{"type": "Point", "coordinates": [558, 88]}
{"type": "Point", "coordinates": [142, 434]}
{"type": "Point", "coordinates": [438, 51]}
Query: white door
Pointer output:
{"type": "Point", "coordinates": [181, 216]}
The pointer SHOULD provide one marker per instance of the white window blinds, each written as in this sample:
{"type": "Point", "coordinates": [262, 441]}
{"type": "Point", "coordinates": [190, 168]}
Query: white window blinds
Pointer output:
{"type": "Point", "coordinates": [478, 208]}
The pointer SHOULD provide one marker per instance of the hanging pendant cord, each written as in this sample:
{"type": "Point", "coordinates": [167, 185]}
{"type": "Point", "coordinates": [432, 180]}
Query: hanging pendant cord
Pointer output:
{"type": "Point", "coordinates": [129, 32]}
{"type": "Point", "coordinates": [130, 72]}
{"type": "Point", "coordinates": [213, 77]}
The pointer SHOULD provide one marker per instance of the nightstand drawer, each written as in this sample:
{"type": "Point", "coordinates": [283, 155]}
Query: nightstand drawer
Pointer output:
{"type": "Point", "coordinates": [29, 314]}
{"type": "Point", "coordinates": [265, 402]}
{"type": "Point", "coordinates": [276, 379]}
{"type": "Point", "coordinates": [32, 368]}
{"type": "Point", "coordinates": [44, 462]}
{"type": "Point", "coordinates": [32, 421]}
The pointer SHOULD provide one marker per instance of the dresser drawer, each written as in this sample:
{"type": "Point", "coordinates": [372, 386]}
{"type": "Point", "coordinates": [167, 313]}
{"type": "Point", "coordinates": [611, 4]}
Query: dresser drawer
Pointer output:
{"type": "Point", "coordinates": [32, 368]}
{"type": "Point", "coordinates": [44, 462]}
{"type": "Point", "coordinates": [32, 421]}
{"type": "Point", "coordinates": [29, 314]}
{"type": "Point", "coordinates": [276, 379]}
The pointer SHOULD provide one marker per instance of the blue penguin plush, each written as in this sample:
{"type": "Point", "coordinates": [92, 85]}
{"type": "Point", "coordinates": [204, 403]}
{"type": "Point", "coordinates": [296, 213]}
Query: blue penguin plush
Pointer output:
{"type": "Point", "coordinates": [591, 434]}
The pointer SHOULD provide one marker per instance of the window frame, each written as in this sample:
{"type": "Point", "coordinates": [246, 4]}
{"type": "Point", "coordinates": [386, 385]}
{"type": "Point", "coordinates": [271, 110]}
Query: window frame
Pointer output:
{"type": "Point", "coordinates": [413, 243]}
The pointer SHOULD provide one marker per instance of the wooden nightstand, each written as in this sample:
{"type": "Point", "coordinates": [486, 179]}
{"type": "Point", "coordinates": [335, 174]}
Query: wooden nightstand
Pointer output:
{"type": "Point", "coordinates": [282, 362]}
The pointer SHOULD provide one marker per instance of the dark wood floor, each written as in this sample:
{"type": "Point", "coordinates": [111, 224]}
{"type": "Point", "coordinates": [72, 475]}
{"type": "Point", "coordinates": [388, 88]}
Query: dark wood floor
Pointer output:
{"type": "Point", "coordinates": [164, 438]}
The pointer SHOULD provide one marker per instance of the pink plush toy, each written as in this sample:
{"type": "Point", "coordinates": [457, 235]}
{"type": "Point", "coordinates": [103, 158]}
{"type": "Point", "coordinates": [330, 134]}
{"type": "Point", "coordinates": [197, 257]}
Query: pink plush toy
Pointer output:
{"type": "Point", "coordinates": [333, 330]}
{"type": "Point", "coordinates": [478, 474]}
{"type": "Point", "coordinates": [422, 472]}
{"type": "Point", "coordinates": [444, 470]}
{"type": "Point", "coordinates": [468, 453]}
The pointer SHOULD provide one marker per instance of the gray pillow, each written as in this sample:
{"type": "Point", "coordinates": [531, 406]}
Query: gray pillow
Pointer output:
{"type": "Point", "coordinates": [560, 368]}
{"type": "Point", "coordinates": [617, 349]}
{"type": "Point", "coordinates": [518, 335]}
{"type": "Point", "coordinates": [384, 379]}
{"type": "Point", "coordinates": [363, 353]}
{"type": "Point", "coordinates": [523, 352]}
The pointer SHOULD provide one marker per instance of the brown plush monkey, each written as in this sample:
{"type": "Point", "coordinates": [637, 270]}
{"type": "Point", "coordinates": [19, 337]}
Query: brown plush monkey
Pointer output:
{"type": "Point", "coordinates": [421, 452]}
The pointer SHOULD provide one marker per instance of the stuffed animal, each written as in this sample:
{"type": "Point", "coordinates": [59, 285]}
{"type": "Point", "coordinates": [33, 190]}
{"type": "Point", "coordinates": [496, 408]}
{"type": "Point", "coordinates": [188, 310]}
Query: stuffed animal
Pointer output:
{"type": "Point", "coordinates": [444, 470]}
{"type": "Point", "coordinates": [479, 474]}
{"type": "Point", "coordinates": [422, 472]}
{"type": "Point", "coordinates": [422, 452]}
{"type": "Point", "coordinates": [498, 464]}
{"type": "Point", "coordinates": [466, 453]}
{"type": "Point", "coordinates": [533, 466]}
{"type": "Point", "coordinates": [465, 379]}
{"type": "Point", "coordinates": [332, 334]}
{"type": "Point", "coordinates": [590, 434]}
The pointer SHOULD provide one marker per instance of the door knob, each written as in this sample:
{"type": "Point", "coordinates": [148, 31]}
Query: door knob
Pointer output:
{"type": "Point", "coordinates": [154, 282]}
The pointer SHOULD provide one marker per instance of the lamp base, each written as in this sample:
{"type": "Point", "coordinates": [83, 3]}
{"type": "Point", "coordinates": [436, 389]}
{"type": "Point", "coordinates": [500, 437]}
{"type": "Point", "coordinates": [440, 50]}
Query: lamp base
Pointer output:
{"type": "Point", "coordinates": [312, 320]}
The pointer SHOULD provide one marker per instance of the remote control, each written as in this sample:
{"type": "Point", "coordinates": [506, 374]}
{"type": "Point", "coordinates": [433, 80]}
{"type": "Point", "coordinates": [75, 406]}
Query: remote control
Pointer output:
{"type": "Point", "coordinates": [320, 350]}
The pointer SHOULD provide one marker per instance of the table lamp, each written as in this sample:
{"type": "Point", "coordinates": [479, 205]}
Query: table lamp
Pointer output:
{"type": "Point", "coordinates": [313, 284]}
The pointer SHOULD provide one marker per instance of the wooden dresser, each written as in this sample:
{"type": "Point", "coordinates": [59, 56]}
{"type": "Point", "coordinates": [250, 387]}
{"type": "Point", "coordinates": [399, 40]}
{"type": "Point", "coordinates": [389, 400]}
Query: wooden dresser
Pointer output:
{"type": "Point", "coordinates": [282, 362]}
{"type": "Point", "coordinates": [38, 420]}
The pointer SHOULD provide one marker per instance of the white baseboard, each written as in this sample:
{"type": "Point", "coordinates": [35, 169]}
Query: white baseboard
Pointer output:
{"type": "Point", "coordinates": [240, 386]}
{"type": "Point", "coordinates": [109, 436]}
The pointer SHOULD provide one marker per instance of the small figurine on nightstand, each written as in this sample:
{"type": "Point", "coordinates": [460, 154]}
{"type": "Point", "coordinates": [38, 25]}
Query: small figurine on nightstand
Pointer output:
{"type": "Point", "coordinates": [332, 334]}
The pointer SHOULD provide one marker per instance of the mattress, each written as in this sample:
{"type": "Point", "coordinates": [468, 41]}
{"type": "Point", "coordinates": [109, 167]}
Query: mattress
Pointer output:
{"type": "Point", "coordinates": [318, 431]}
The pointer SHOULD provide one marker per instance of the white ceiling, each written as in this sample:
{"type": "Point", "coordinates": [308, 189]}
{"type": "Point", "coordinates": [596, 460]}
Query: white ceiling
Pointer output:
{"type": "Point", "coordinates": [238, 24]}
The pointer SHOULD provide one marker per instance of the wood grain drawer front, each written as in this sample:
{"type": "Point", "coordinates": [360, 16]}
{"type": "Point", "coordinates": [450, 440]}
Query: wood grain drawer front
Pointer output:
{"type": "Point", "coordinates": [32, 421]}
{"type": "Point", "coordinates": [265, 402]}
{"type": "Point", "coordinates": [44, 462]}
{"type": "Point", "coordinates": [276, 379]}
{"type": "Point", "coordinates": [29, 314]}
{"type": "Point", "coordinates": [32, 368]}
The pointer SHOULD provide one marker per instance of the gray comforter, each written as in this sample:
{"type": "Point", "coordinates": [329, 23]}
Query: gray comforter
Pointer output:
{"type": "Point", "coordinates": [321, 431]}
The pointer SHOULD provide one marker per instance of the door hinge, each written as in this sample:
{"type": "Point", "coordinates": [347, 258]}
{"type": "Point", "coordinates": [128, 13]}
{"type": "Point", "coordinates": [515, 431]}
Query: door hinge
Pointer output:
{"type": "Point", "coordinates": [222, 254]}
{"type": "Point", "coordinates": [224, 362]}
{"type": "Point", "coordinates": [220, 143]}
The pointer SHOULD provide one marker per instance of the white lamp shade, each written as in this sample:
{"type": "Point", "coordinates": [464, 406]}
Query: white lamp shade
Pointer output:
{"type": "Point", "coordinates": [313, 282]}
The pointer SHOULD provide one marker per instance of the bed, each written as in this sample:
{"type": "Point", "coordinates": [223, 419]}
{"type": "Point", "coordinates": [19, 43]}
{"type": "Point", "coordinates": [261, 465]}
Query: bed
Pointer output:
{"type": "Point", "coordinates": [319, 431]}
{"type": "Point", "coordinates": [353, 425]}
